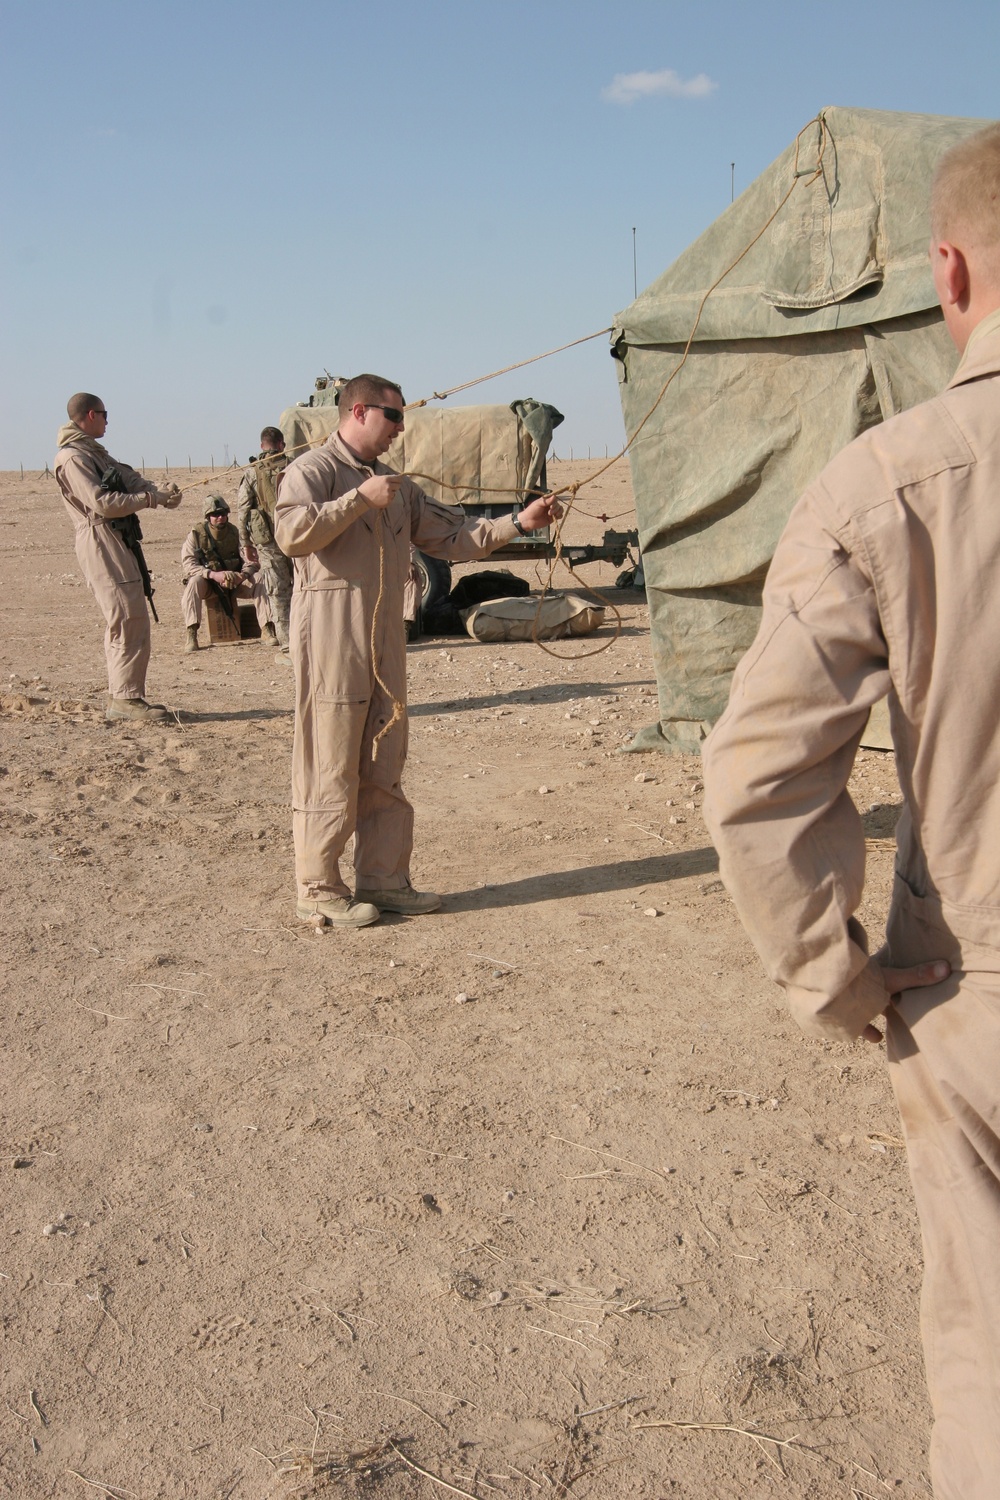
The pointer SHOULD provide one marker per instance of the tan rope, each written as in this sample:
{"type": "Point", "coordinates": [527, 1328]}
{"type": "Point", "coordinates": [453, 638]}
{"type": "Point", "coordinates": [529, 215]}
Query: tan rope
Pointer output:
{"type": "Point", "coordinates": [574, 655]}
{"type": "Point", "coordinates": [398, 708]}
{"type": "Point", "coordinates": [437, 396]}
{"type": "Point", "coordinates": [572, 489]}
{"type": "Point", "coordinates": [480, 379]}
{"type": "Point", "coordinates": [824, 134]}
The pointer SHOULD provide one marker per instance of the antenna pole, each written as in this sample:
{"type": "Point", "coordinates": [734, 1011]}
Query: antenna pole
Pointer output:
{"type": "Point", "coordinates": [732, 181]}
{"type": "Point", "coordinates": [635, 284]}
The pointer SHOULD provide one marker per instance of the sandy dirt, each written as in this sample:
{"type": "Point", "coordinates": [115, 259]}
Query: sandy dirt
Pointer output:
{"type": "Point", "coordinates": [284, 1215]}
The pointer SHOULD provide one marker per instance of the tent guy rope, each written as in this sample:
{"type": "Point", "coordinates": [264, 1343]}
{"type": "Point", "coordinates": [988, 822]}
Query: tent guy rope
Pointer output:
{"type": "Point", "coordinates": [572, 489]}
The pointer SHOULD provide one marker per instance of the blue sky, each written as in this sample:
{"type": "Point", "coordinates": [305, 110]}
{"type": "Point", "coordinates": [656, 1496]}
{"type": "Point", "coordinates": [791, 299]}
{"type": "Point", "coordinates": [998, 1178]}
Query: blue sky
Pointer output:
{"type": "Point", "coordinates": [207, 204]}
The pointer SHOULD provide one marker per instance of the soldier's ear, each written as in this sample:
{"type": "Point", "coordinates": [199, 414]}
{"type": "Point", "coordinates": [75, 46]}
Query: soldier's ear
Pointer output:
{"type": "Point", "coordinates": [951, 273]}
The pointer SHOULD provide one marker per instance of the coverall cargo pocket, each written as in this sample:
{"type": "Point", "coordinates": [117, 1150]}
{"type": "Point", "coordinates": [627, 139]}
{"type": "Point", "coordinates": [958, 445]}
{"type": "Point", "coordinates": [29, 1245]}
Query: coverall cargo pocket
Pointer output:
{"type": "Point", "coordinates": [340, 724]}
{"type": "Point", "coordinates": [336, 644]}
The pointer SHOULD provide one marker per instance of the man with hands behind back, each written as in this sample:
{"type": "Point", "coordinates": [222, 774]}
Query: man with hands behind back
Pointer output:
{"type": "Point", "coordinates": [884, 582]}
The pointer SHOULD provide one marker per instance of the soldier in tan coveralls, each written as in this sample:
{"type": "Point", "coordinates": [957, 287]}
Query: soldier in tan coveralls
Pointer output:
{"type": "Point", "coordinates": [347, 520]}
{"type": "Point", "coordinates": [99, 491]}
{"type": "Point", "coordinates": [887, 581]}
{"type": "Point", "coordinates": [255, 503]}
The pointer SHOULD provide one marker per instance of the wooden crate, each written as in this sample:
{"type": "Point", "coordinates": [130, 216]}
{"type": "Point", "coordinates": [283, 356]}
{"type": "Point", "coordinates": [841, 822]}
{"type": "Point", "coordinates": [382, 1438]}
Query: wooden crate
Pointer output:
{"type": "Point", "coordinates": [222, 631]}
{"type": "Point", "coordinates": [246, 614]}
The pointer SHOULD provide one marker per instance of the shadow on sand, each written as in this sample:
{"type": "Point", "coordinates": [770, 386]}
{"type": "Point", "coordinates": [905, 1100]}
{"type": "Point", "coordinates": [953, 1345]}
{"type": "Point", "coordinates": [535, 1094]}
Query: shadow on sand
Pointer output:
{"type": "Point", "coordinates": [563, 885]}
{"type": "Point", "coordinates": [549, 692]}
{"type": "Point", "coordinates": [238, 716]}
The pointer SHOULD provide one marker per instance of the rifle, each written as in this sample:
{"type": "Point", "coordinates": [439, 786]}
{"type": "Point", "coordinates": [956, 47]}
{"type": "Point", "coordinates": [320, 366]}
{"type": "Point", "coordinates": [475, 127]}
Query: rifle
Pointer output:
{"type": "Point", "coordinates": [130, 531]}
{"type": "Point", "coordinates": [224, 599]}
{"type": "Point", "coordinates": [221, 593]}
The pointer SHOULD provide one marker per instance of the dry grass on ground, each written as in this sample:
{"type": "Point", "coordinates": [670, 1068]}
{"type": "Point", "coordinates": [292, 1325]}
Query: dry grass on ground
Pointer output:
{"type": "Point", "coordinates": [281, 1218]}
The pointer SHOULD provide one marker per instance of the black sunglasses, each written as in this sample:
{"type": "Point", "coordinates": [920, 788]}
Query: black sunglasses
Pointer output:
{"type": "Point", "coordinates": [394, 413]}
{"type": "Point", "coordinates": [97, 412]}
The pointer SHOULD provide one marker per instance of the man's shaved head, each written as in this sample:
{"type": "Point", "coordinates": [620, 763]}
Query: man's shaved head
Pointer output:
{"type": "Point", "coordinates": [965, 197]}
{"type": "Point", "coordinates": [369, 390]}
{"type": "Point", "coordinates": [83, 402]}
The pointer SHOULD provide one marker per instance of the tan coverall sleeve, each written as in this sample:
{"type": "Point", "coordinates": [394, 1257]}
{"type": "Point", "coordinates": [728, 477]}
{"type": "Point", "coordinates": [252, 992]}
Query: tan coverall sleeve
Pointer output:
{"type": "Point", "coordinates": [81, 474]}
{"type": "Point", "coordinates": [304, 520]}
{"type": "Point", "coordinates": [191, 564]}
{"type": "Point", "coordinates": [445, 530]}
{"type": "Point", "coordinates": [790, 840]}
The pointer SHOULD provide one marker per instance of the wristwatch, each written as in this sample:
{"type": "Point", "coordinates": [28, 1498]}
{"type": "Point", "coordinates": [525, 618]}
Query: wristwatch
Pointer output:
{"type": "Point", "coordinates": [518, 527]}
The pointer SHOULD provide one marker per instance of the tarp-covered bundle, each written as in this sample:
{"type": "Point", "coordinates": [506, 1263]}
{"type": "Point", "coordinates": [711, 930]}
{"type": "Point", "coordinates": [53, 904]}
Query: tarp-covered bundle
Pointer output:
{"type": "Point", "coordinates": [484, 451]}
{"type": "Point", "coordinates": [827, 325]}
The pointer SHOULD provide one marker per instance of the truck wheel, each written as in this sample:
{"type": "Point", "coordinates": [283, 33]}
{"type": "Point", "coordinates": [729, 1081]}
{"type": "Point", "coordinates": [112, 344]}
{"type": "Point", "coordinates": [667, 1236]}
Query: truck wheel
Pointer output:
{"type": "Point", "coordinates": [435, 579]}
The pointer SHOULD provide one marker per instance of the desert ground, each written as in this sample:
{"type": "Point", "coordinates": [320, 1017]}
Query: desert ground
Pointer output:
{"type": "Point", "coordinates": [543, 1195]}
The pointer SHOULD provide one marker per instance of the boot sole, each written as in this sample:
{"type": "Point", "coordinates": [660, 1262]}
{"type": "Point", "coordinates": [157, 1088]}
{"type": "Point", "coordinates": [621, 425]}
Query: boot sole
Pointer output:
{"type": "Point", "coordinates": [114, 718]}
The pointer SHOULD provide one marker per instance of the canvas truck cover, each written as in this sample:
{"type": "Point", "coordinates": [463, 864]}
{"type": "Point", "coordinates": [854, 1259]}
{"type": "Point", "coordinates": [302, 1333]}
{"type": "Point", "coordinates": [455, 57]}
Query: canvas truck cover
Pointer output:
{"type": "Point", "coordinates": [827, 325]}
{"type": "Point", "coordinates": [472, 448]}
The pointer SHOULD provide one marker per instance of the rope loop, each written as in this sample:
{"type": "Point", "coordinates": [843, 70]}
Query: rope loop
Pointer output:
{"type": "Point", "coordinates": [398, 708]}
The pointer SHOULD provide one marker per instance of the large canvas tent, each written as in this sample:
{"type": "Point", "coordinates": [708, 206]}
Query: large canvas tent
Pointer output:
{"type": "Point", "coordinates": [827, 325]}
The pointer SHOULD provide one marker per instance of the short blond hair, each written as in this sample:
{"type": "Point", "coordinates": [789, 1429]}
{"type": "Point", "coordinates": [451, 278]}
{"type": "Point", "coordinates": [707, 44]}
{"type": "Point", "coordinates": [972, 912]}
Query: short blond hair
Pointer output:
{"type": "Point", "coordinates": [965, 196]}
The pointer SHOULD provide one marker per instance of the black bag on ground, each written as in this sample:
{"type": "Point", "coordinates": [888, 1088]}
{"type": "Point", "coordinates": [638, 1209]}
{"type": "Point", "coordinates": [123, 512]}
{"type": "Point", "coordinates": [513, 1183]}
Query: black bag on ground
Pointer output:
{"type": "Point", "coordinates": [495, 583]}
{"type": "Point", "coordinates": [443, 617]}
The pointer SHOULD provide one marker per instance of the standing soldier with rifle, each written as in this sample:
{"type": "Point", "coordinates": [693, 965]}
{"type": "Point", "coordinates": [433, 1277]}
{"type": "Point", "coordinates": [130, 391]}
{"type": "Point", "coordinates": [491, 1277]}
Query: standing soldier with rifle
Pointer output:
{"type": "Point", "coordinates": [102, 497]}
{"type": "Point", "coordinates": [255, 502]}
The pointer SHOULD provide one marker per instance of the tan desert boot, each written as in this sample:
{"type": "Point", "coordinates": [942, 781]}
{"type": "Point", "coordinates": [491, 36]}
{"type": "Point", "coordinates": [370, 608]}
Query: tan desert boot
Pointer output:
{"type": "Point", "coordinates": [136, 709]}
{"type": "Point", "coordinates": [338, 911]}
{"type": "Point", "coordinates": [406, 901]}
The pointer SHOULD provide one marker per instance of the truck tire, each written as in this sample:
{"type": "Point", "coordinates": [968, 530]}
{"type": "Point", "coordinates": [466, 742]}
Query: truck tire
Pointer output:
{"type": "Point", "coordinates": [435, 579]}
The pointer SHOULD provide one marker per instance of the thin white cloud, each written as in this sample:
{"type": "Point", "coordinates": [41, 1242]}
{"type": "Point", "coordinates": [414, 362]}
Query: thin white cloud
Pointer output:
{"type": "Point", "coordinates": [626, 88]}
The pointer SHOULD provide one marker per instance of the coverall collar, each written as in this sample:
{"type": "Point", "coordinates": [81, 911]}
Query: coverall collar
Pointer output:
{"type": "Point", "coordinates": [982, 352]}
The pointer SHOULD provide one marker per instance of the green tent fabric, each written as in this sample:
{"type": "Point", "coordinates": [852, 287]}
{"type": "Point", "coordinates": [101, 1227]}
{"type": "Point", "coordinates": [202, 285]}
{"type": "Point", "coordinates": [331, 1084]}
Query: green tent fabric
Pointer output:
{"type": "Point", "coordinates": [827, 325]}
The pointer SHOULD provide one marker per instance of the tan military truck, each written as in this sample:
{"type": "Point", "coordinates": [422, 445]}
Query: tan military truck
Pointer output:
{"type": "Point", "coordinates": [488, 459]}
